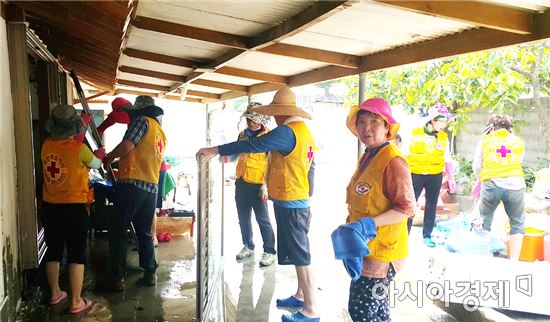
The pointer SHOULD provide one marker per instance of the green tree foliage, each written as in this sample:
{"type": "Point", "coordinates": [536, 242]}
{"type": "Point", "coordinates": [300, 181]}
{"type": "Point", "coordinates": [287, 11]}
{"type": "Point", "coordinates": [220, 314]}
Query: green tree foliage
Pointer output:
{"type": "Point", "coordinates": [494, 79]}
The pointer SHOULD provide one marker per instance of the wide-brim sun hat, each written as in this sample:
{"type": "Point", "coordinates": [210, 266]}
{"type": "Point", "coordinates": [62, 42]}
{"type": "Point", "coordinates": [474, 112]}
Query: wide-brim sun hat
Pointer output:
{"type": "Point", "coordinates": [284, 103]}
{"type": "Point", "coordinates": [64, 122]}
{"type": "Point", "coordinates": [377, 106]}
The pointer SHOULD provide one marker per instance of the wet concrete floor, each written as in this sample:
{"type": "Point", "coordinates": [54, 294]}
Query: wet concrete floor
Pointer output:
{"type": "Point", "coordinates": [173, 299]}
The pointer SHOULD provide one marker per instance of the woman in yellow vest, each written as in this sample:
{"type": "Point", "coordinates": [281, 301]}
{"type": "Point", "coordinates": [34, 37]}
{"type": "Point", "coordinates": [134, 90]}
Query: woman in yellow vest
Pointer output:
{"type": "Point", "coordinates": [290, 185]}
{"type": "Point", "coordinates": [65, 163]}
{"type": "Point", "coordinates": [428, 158]}
{"type": "Point", "coordinates": [497, 162]}
{"type": "Point", "coordinates": [381, 189]}
{"type": "Point", "coordinates": [251, 191]}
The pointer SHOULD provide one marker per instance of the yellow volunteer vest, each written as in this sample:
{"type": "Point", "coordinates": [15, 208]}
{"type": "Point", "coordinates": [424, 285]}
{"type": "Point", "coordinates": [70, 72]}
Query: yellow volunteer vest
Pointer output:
{"type": "Point", "coordinates": [502, 153]}
{"type": "Point", "coordinates": [65, 176]}
{"type": "Point", "coordinates": [427, 158]}
{"type": "Point", "coordinates": [287, 178]}
{"type": "Point", "coordinates": [365, 197]}
{"type": "Point", "coordinates": [252, 166]}
{"type": "Point", "coordinates": [144, 160]}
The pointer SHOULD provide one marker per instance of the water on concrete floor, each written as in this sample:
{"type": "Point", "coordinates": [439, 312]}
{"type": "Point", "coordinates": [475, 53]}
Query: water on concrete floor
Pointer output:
{"type": "Point", "coordinates": [173, 299]}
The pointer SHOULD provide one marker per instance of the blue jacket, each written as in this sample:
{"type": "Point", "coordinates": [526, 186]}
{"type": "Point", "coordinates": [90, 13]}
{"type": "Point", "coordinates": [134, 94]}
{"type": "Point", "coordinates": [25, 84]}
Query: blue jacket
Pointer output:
{"type": "Point", "coordinates": [350, 244]}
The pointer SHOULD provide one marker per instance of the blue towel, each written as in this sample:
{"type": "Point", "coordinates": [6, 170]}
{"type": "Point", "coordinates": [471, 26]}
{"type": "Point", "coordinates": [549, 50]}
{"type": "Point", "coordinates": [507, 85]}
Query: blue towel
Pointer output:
{"type": "Point", "coordinates": [350, 244]}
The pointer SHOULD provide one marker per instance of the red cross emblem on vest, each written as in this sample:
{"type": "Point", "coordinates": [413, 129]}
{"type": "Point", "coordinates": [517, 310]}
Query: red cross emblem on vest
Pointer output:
{"type": "Point", "coordinates": [310, 154]}
{"type": "Point", "coordinates": [159, 145]}
{"type": "Point", "coordinates": [53, 169]}
{"type": "Point", "coordinates": [503, 150]}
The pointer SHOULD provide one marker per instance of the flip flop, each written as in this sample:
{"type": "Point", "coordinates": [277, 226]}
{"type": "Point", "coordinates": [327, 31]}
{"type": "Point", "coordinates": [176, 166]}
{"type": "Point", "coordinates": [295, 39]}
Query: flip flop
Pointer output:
{"type": "Point", "coordinates": [87, 305]}
{"type": "Point", "coordinates": [62, 296]}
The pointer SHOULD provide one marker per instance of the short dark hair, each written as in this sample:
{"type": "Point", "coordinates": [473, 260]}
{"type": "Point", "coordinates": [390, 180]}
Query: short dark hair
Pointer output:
{"type": "Point", "coordinates": [501, 122]}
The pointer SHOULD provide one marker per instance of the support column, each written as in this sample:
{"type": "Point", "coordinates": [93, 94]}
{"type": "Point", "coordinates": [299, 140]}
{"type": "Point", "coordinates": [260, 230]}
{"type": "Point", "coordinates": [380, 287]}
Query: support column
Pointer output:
{"type": "Point", "coordinates": [362, 95]}
{"type": "Point", "coordinates": [22, 119]}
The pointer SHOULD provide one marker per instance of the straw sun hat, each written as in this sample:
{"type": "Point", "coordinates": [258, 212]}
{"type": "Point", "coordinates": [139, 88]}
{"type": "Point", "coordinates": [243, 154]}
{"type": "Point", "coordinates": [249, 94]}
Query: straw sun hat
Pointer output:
{"type": "Point", "coordinates": [284, 103]}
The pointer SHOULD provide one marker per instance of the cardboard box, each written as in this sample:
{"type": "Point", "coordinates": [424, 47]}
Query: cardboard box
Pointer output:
{"type": "Point", "coordinates": [175, 225]}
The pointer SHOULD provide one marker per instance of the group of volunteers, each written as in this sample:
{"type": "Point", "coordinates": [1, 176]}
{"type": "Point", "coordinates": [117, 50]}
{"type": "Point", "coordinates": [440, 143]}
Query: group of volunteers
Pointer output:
{"type": "Point", "coordinates": [381, 196]}
{"type": "Point", "coordinates": [279, 165]}
{"type": "Point", "coordinates": [66, 161]}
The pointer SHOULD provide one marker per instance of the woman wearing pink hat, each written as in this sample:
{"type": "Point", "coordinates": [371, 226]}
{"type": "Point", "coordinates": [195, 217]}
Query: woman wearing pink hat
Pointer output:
{"type": "Point", "coordinates": [381, 189]}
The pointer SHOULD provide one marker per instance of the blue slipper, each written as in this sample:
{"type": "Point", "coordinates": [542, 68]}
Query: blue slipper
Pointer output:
{"type": "Point", "coordinates": [299, 317]}
{"type": "Point", "coordinates": [429, 242]}
{"type": "Point", "coordinates": [290, 301]}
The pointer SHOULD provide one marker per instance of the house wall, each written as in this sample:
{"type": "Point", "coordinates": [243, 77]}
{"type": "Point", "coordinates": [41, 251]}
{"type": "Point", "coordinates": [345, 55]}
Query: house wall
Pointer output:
{"type": "Point", "coordinates": [10, 283]}
{"type": "Point", "coordinates": [467, 139]}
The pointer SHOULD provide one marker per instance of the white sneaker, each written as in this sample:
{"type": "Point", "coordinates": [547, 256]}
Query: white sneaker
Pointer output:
{"type": "Point", "coordinates": [267, 259]}
{"type": "Point", "coordinates": [245, 252]}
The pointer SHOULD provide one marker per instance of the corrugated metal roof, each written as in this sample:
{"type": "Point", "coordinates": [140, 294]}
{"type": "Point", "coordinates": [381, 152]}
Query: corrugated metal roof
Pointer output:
{"type": "Point", "coordinates": [372, 27]}
{"type": "Point", "coordinates": [244, 18]}
{"type": "Point", "coordinates": [231, 48]}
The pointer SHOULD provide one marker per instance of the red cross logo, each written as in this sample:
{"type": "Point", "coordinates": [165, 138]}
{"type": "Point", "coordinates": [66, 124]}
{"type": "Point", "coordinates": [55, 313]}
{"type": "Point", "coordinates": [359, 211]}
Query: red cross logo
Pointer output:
{"type": "Point", "coordinates": [310, 154]}
{"type": "Point", "coordinates": [503, 151]}
{"type": "Point", "coordinates": [53, 169]}
{"type": "Point", "coordinates": [159, 144]}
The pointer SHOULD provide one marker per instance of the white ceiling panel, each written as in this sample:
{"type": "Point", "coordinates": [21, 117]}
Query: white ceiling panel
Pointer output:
{"type": "Point", "coordinates": [173, 45]}
{"type": "Point", "coordinates": [143, 79]}
{"type": "Point", "coordinates": [154, 66]}
{"type": "Point", "coordinates": [230, 79]}
{"type": "Point", "coordinates": [245, 18]}
{"type": "Point", "coordinates": [274, 64]}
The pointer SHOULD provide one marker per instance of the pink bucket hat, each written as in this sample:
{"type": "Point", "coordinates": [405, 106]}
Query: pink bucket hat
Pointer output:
{"type": "Point", "coordinates": [441, 111]}
{"type": "Point", "coordinates": [377, 106]}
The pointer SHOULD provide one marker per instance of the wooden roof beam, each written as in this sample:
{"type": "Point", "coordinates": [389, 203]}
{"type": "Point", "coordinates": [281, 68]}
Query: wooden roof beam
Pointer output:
{"type": "Point", "coordinates": [159, 88]}
{"type": "Point", "coordinates": [171, 28]}
{"type": "Point", "coordinates": [479, 13]}
{"type": "Point", "coordinates": [170, 97]}
{"type": "Point", "coordinates": [215, 84]}
{"type": "Point", "coordinates": [159, 58]}
{"type": "Point", "coordinates": [165, 88]}
{"type": "Point", "coordinates": [151, 73]}
{"type": "Point", "coordinates": [271, 78]}
{"type": "Point", "coordinates": [325, 56]}
{"type": "Point", "coordinates": [203, 94]}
